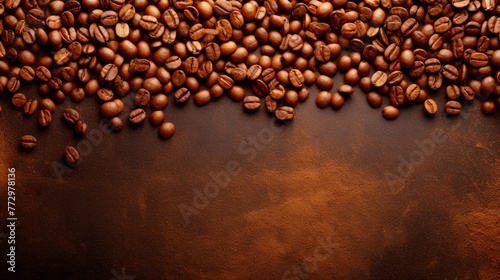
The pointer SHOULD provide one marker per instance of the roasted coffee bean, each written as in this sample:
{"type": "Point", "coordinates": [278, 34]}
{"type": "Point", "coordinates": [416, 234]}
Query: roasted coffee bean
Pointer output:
{"type": "Point", "coordinates": [394, 78]}
{"type": "Point", "coordinates": [28, 142]}
{"type": "Point", "coordinates": [397, 96]}
{"type": "Point", "coordinates": [453, 107]}
{"type": "Point", "coordinates": [478, 59]}
{"type": "Point", "coordinates": [374, 99]}
{"type": "Point", "coordinates": [112, 108]}
{"type": "Point", "coordinates": [115, 124]}
{"type": "Point", "coordinates": [182, 95]}
{"type": "Point", "coordinates": [44, 117]}
{"type": "Point", "coordinates": [225, 81]}
{"type": "Point", "coordinates": [430, 106]}
{"type": "Point", "coordinates": [322, 53]}
{"type": "Point", "coordinates": [166, 130]}
{"type": "Point", "coordinates": [296, 78]}
{"type": "Point", "coordinates": [105, 94]}
{"type": "Point", "coordinates": [277, 93]}
{"type": "Point", "coordinates": [142, 97]}
{"type": "Point", "coordinates": [159, 102]}
{"type": "Point", "coordinates": [254, 72]}
{"type": "Point", "coordinates": [435, 81]}
{"type": "Point", "coordinates": [137, 116]}
{"type": "Point", "coordinates": [432, 65]}
{"type": "Point", "coordinates": [390, 112]}
{"type": "Point", "coordinates": [453, 92]}
{"type": "Point", "coordinates": [27, 73]}
{"type": "Point", "coordinates": [142, 65]}
{"type": "Point", "coordinates": [202, 97]}
{"type": "Point", "coordinates": [13, 85]}
{"type": "Point", "coordinates": [379, 79]}
{"type": "Point", "coordinates": [323, 99]}
{"type": "Point", "coordinates": [30, 107]}
{"type": "Point", "coordinates": [488, 107]}
{"type": "Point", "coordinates": [337, 100]}
{"type": "Point", "coordinates": [251, 103]}
{"type": "Point", "coordinates": [284, 113]}
{"type": "Point", "coordinates": [71, 155]}
{"type": "Point", "coordinates": [71, 116]}
{"type": "Point", "coordinates": [412, 92]}
{"type": "Point", "coordinates": [81, 127]}
{"type": "Point", "coordinates": [271, 104]}
{"type": "Point", "coordinates": [450, 72]}
{"type": "Point", "coordinates": [467, 92]}
{"type": "Point", "coordinates": [18, 100]}
{"type": "Point", "coordinates": [48, 104]}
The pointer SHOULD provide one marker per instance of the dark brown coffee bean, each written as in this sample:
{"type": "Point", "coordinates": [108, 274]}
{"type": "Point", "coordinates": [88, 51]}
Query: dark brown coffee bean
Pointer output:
{"type": "Point", "coordinates": [467, 92]}
{"type": "Point", "coordinates": [182, 95]}
{"type": "Point", "coordinates": [394, 78]}
{"type": "Point", "coordinates": [251, 103]}
{"type": "Point", "coordinates": [18, 100]}
{"type": "Point", "coordinates": [13, 85]}
{"type": "Point", "coordinates": [254, 72]}
{"type": "Point", "coordinates": [453, 107]}
{"type": "Point", "coordinates": [28, 142]}
{"type": "Point", "coordinates": [62, 56]}
{"type": "Point", "coordinates": [337, 100]}
{"type": "Point", "coordinates": [202, 97]}
{"type": "Point", "coordinates": [324, 82]}
{"type": "Point", "coordinates": [44, 117]}
{"type": "Point", "coordinates": [296, 78]}
{"type": "Point", "coordinates": [81, 127]}
{"type": "Point", "coordinates": [30, 107]}
{"type": "Point", "coordinates": [142, 97]}
{"type": "Point", "coordinates": [432, 65]}
{"type": "Point", "coordinates": [271, 104]}
{"type": "Point", "coordinates": [345, 90]}
{"type": "Point", "coordinates": [27, 73]}
{"type": "Point", "coordinates": [137, 116]}
{"type": "Point", "coordinates": [166, 130]}
{"type": "Point", "coordinates": [225, 81]}
{"type": "Point", "coordinates": [379, 79]}
{"type": "Point", "coordinates": [409, 26]}
{"type": "Point", "coordinates": [478, 59]}
{"type": "Point", "coordinates": [142, 65]}
{"type": "Point", "coordinates": [488, 107]}
{"type": "Point", "coordinates": [397, 96]}
{"type": "Point", "coordinates": [260, 88]}
{"type": "Point", "coordinates": [430, 106]}
{"type": "Point", "coordinates": [68, 73]}
{"type": "Point", "coordinates": [453, 92]}
{"type": "Point", "coordinates": [390, 112]}
{"type": "Point", "coordinates": [71, 116]}
{"type": "Point", "coordinates": [442, 24]}
{"type": "Point", "coordinates": [450, 72]}
{"type": "Point", "coordinates": [322, 53]}
{"type": "Point", "coordinates": [392, 52]}
{"type": "Point", "coordinates": [71, 155]}
{"type": "Point", "coordinates": [284, 113]}
{"type": "Point", "coordinates": [412, 92]}
{"type": "Point", "coordinates": [374, 99]}
{"type": "Point", "coordinates": [323, 99]}
{"type": "Point", "coordinates": [55, 83]}
{"type": "Point", "coordinates": [435, 81]}
{"type": "Point", "coordinates": [105, 94]}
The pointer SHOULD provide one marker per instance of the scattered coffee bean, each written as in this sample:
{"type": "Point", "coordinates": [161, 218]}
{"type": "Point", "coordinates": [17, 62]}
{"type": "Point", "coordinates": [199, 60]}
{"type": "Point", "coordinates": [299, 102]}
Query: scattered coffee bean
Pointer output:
{"type": "Point", "coordinates": [28, 141]}
{"type": "Point", "coordinates": [453, 107]}
{"type": "Point", "coordinates": [137, 116]}
{"type": "Point", "coordinates": [430, 106]}
{"type": "Point", "coordinates": [71, 116]}
{"type": "Point", "coordinates": [71, 155]}
{"type": "Point", "coordinates": [284, 113]}
{"type": "Point", "coordinates": [166, 130]}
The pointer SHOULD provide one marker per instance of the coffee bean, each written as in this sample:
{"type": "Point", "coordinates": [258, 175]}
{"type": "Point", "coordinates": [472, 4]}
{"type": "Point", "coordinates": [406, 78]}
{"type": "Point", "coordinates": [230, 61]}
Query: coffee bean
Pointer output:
{"type": "Point", "coordinates": [115, 124]}
{"type": "Point", "coordinates": [225, 81]}
{"type": "Point", "coordinates": [430, 106]}
{"type": "Point", "coordinates": [478, 59]}
{"type": "Point", "coordinates": [182, 95]}
{"type": "Point", "coordinates": [442, 24]}
{"type": "Point", "coordinates": [453, 92]}
{"type": "Point", "coordinates": [488, 107]}
{"type": "Point", "coordinates": [71, 116]}
{"type": "Point", "coordinates": [71, 155]}
{"type": "Point", "coordinates": [112, 108]}
{"type": "Point", "coordinates": [81, 127]}
{"type": "Point", "coordinates": [137, 116]}
{"type": "Point", "coordinates": [30, 107]}
{"type": "Point", "coordinates": [390, 112]}
{"type": "Point", "coordinates": [43, 73]}
{"type": "Point", "coordinates": [251, 103]}
{"type": "Point", "coordinates": [453, 107]}
{"type": "Point", "coordinates": [450, 72]}
{"type": "Point", "coordinates": [379, 79]}
{"type": "Point", "coordinates": [166, 130]}
{"type": "Point", "coordinates": [18, 100]}
{"type": "Point", "coordinates": [105, 94]}
{"type": "Point", "coordinates": [44, 117]}
{"type": "Point", "coordinates": [27, 73]}
{"type": "Point", "coordinates": [397, 96]}
{"type": "Point", "coordinates": [432, 65]}
{"type": "Point", "coordinates": [254, 72]}
{"type": "Point", "coordinates": [374, 99]}
{"type": "Point", "coordinates": [48, 104]}
{"type": "Point", "coordinates": [467, 92]}
{"type": "Point", "coordinates": [202, 97]}
{"type": "Point", "coordinates": [296, 78]}
{"type": "Point", "coordinates": [291, 98]}
{"type": "Point", "coordinates": [28, 142]}
{"type": "Point", "coordinates": [271, 104]}
{"type": "Point", "coordinates": [337, 100]}
{"type": "Point", "coordinates": [324, 82]}
{"type": "Point", "coordinates": [323, 99]}
{"type": "Point", "coordinates": [412, 92]}
{"type": "Point", "coordinates": [284, 113]}
{"type": "Point", "coordinates": [13, 85]}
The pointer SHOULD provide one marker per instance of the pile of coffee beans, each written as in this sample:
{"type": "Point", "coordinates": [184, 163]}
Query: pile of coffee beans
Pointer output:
{"type": "Point", "coordinates": [111, 49]}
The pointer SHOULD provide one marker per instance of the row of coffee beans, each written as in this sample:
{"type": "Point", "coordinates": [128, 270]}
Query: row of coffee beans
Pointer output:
{"type": "Point", "coordinates": [151, 49]}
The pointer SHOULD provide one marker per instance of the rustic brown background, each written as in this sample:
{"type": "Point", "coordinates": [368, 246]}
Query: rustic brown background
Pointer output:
{"type": "Point", "coordinates": [321, 176]}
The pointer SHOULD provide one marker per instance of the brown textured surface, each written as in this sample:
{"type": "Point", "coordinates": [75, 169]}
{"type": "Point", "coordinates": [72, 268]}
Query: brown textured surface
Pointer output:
{"type": "Point", "coordinates": [321, 176]}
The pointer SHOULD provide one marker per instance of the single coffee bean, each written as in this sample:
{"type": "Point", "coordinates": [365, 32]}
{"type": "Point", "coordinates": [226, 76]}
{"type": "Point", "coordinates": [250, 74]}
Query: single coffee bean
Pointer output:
{"type": "Point", "coordinates": [71, 155]}
{"type": "Point", "coordinates": [450, 72]}
{"type": "Point", "coordinates": [271, 104]}
{"type": "Point", "coordinates": [251, 103]}
{"type": "Point", "coordinates": [71, 116]}
{"type": "Point", "coordinates": [27, 73]}
{"type": "Point", "coordinates": [379, 79]}
{"type": "Point", "coordinates": [159, 102]}
{"type": "Point", "coordinates": [453, 107]}
{"type": "Point", "coordinates": [225, 81]}
{"type": "Point", "coordinates": [137, 116]}
{"type": "Point", "coordinates": [112, 108]}
{"type": "Point", "coordinates": [28, 142]}
{"type": "Point", "coordinates": [374, 99]}
{"type": "Point", "coordinates": [43, 73]}
{"type": "Point", "coordinates": [182, 95]}
{"type": "Point", "coordinates": [284, 113]}
{"type": "Point", "coordinates": [395, 78]}
{"type": "Point", "coordinates": [488, 107]}
{"type": "Point", "coordinates": [430, 106]}
{"type": "Point", "coordinates": [324, 82]}
{"type": "Point", "coordinates": [254, 72]}
{"type": "Point", "coordinates": [13, 85]}
{"type": "Point", "coordinates": [156, 117]}
{"type": "Point", "coordinates": [296, 78]}
{"type": "Point", "coordinates": [467, 92]}
{"type": "Point", "coordinates": [390, 112]}
{"type": "Point", "coordinates": [44, 117]}
{"type": "Point", "coordinates": [30, 107]}
{"type": "Point", "coordinates": [80, 127]}
{"type": "Point", "coordinates": [397, 96]}
{"type": "Point", "coordinates": [453, 92]}
{"type": "Point", "coordinates": [105, 94]}
{"type": "Point", "coordinates": [432, 65]}
{"type": "Point", "coordinates": [412, 92]}
{"type": "Point", "coordinates": [478, 60]}
{"type": "Point", "coordinates": [337, 100]}
{"type": "Point", "coordinates": [48, 104]}
{"type": "Point", "coordinates": [18, 100]}
{"type": "Point", "coordinates": [323, 99]}
{"type": "Point", "coordinates": [202, 97]}
{"type": "Point", "coordinates": [115, 124]}
{"type": "Point", "coordinates": [166, 130]}
{"type": "Point", "coordinates": [291, 98]}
